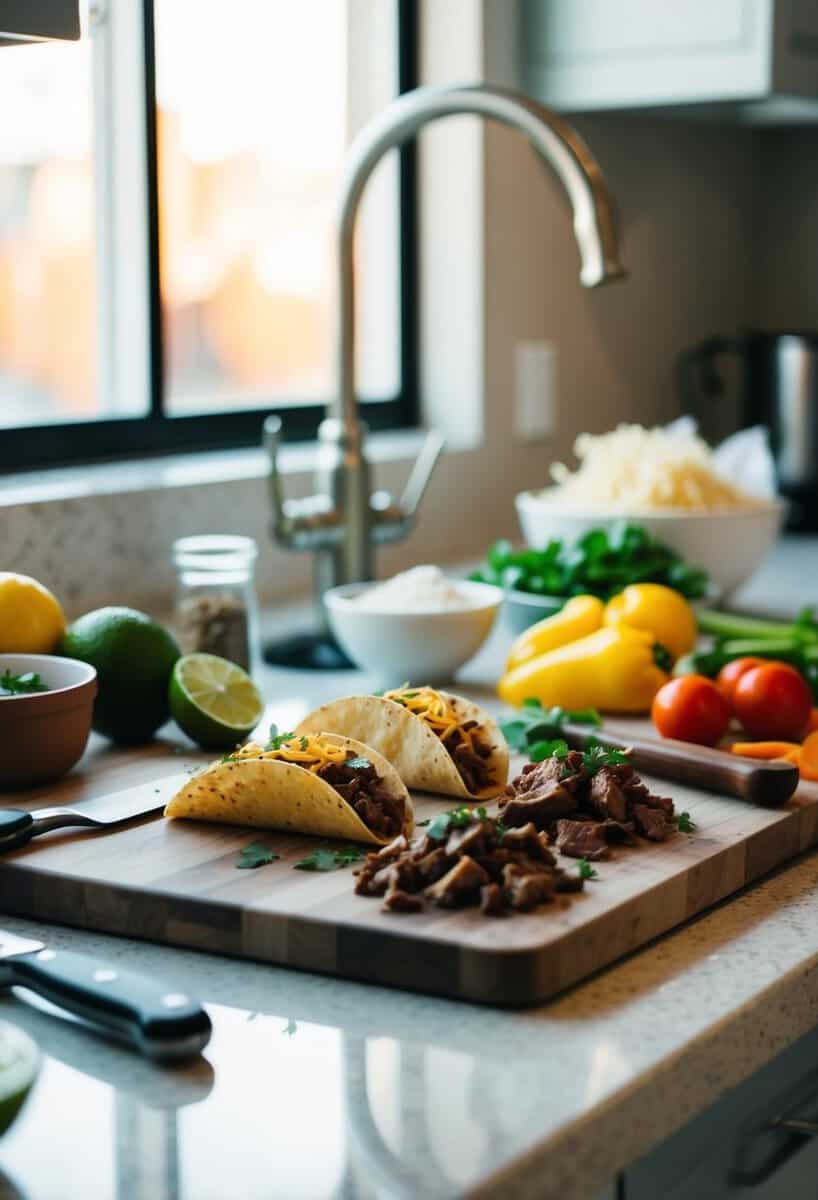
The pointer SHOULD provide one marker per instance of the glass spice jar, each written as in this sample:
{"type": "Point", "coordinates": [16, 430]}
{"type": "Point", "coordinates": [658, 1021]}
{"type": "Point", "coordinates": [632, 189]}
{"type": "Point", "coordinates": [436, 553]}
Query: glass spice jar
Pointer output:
{"type": "Point", "coordinates": [216, 596]}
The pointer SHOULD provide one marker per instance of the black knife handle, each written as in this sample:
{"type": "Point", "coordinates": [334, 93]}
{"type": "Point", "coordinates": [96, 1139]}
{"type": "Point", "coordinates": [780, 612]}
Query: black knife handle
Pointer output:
{"type": "Point", "coordinates": [162, 1023]}
{"type": "Point", "coordinates": [16, 828]}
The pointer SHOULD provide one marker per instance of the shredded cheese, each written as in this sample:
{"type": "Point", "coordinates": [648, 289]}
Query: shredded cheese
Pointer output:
{"type": "Point", "coordinates": [308, 751]}
{"type": "Point", "coordinates": [633, 470]}
{"type": "Point", "coordinates": [432, 708]}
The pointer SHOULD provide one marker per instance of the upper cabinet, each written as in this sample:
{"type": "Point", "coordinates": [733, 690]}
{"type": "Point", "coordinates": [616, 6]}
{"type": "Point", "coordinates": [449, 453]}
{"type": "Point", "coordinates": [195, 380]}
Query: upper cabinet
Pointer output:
{"type": "Point", "coordinates": [752, 60]}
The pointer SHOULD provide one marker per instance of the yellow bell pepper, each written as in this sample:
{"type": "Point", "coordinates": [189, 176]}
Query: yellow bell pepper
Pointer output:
{"type": "Point", "coordinates": [613, 670]}
{"type": "Point", "coordinates": [662, 611]}
{"type": "Point", "coordinates": [581, 615]}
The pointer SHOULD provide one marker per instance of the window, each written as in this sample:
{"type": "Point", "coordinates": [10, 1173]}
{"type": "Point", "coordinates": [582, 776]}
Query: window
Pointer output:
{"type": "Point", "coordinates": [167, 190]}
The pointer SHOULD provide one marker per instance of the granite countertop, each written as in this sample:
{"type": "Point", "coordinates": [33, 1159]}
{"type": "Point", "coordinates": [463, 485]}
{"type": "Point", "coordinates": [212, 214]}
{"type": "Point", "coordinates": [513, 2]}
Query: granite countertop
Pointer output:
{"type": "Point", "coordinates": [313, 1087]}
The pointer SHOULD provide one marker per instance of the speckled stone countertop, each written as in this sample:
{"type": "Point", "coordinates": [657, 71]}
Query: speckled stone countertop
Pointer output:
{"type": "Point", "coordinates": [316, 1088]}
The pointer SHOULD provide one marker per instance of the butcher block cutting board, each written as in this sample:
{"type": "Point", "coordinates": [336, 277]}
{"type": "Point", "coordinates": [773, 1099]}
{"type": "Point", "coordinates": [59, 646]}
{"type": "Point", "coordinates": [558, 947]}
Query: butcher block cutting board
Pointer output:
{"type": "Point", "coordinates": [177, 882]}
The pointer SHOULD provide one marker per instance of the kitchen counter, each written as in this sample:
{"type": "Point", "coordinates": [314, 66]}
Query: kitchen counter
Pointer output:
{"type": "Point", "coordinates": [313, 1087]}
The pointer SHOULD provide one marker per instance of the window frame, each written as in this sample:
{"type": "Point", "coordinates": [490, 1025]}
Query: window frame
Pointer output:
{"type": "Point", "coordinates": [155, 432]}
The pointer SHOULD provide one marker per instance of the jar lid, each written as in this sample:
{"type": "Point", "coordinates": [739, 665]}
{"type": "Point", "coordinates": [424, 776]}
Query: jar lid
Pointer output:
{"type": "Point", "coordinates": [214, 552]}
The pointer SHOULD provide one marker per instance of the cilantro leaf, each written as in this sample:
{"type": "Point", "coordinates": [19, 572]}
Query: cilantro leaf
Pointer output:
{"type": "Point", "coordinates": [586, 871]}
{"type": "Point", "coordinates": [596, 755]}
{"type": "Point", "coordinates": [533, 723]}
{"type": "Point", "coordinates": [457, 818]}
{"type": "Point", "coordinates": [558, 748]}
{"type": "Point", "coordinates": [327, 859]}
{"type": "Point", "coordinates": [256, 855]}
{"type": "Point", "coordinates": [277, 740]}
{"type": "Point", "coordinates": [685, 823]}
{"type": "Point", "coordinates": [21, 685]}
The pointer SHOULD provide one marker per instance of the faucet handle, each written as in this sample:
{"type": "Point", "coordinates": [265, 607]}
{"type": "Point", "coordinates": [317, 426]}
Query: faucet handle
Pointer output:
{"type": "Point", "coordinates": [421, 473]}
{"type": "Point", "coordinates": [310, 523]}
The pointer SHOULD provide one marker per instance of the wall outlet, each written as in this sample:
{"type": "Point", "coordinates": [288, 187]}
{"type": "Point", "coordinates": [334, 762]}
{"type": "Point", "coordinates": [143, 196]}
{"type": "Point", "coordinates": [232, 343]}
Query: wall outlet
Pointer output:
{"type": "Point", "coordinates": [536, 400]}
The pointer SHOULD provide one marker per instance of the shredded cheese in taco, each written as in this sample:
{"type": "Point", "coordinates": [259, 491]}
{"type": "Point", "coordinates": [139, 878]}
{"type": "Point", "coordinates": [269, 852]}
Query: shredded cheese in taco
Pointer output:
{"type": "Point", "coordinates": [311, 752]}
{"type": "Point", "coordinates": [459, 736]}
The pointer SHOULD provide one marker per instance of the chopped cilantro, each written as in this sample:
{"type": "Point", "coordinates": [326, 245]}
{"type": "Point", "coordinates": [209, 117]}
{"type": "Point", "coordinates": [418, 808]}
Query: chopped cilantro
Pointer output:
{"type": "Point", "coordinates": [596, 755]}
{"type": "Point", "coordinates": [256, 855]}
{"type": "Point", "coordinates": [277, 740]}
{"type": "Point", "coordinates": [685, 823]}
{"type": "Point", "coordinates": [326, 859]}
{"type": "Point", "coordinates": [230, 757]}
{"type": "Point", "coordinates": [558, 748]}
{"type": "Point", "coordinates": [586, 871]}
{"type": "Point", "coordinates": [21, 685]}
{"type": "Point", "coordinates": [457, 818]}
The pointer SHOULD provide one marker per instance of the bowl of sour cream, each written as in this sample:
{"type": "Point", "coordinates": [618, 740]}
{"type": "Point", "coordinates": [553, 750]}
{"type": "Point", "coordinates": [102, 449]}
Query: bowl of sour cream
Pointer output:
{"type": "Point", "coordinates": [420, 625]}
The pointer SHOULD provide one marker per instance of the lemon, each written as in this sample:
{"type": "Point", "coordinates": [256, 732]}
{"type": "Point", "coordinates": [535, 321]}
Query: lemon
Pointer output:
{"type": "Point", "coordinates": [133, 656]}
{"type": "Point", "coordinates": [19, 1064]}
{"type": "Point", "coordinates": [213, 701]}
{"type": "Point", "coordinates": [31, 619]}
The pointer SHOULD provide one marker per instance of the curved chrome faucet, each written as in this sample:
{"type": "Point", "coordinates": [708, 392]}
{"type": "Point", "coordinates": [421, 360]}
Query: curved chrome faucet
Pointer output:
{"type": "Point", "coordinates": [341, 521]}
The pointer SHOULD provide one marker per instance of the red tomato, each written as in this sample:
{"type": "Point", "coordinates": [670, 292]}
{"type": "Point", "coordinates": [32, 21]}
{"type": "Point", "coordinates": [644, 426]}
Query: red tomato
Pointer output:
{"type": "Point", "coordinates": [730, 674]}
{"type": "Point", "coordinates": [691, 708]}
{"type": "Point", "coordinates": [773, 701]}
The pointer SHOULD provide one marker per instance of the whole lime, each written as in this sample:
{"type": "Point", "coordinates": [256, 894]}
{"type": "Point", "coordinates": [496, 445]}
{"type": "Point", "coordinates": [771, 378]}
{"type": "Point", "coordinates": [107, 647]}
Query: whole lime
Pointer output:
{"type": "Point", "coordinates": [133, 656]}
{"type": "Point", "coordinates": [19, 1064]}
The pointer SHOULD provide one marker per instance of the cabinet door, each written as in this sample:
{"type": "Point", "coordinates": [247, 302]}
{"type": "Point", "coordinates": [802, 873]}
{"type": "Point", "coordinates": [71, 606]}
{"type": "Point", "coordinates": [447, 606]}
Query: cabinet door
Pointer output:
{"type": "Point", "coordinates": [597, 54]}
{"type": "Point", "coordinates": [759, 1143]}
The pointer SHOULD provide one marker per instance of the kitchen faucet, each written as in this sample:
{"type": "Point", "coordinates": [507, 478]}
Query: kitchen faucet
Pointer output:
{"type": "Point", "coordinates": [341, 522]}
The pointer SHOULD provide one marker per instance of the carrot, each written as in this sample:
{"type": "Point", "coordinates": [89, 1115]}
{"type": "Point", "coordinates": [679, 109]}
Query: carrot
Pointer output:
{"type": "Point", "coordinates": [808, 759]}
{"type": "Point", "coordinates": [767, 749]}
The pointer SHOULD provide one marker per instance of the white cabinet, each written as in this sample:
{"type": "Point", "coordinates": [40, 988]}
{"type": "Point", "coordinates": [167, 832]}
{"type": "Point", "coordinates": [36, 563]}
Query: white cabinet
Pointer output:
{"type": "Point", "coordinates": [757, 59]}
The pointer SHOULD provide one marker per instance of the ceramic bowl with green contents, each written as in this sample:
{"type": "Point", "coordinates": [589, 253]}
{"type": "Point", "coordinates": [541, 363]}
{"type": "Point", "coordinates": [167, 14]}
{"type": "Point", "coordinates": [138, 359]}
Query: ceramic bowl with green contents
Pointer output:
{"type": "Point", "coordinates": [46, 704]}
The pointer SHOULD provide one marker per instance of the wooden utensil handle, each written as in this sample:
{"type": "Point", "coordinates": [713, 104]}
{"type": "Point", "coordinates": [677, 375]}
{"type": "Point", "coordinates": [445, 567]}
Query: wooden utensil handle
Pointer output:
{"type": "Point", "coordinates": [768, 784]}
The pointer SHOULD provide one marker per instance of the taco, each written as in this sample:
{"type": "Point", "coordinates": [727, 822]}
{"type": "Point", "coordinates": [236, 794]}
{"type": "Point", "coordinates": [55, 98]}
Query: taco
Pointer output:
{"type": "Point", "coordinates": [320, 784]}
{"type": "Point", "coordinates": [436, 742]}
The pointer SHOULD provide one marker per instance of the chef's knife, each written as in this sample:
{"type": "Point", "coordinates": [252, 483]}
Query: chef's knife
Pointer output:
{"type": "Point", "coordinates": [768, 784]}
{"type": "Point", "coordinates": [17, 826]}
{"type": "Point", "coordinates": [161, 1022]}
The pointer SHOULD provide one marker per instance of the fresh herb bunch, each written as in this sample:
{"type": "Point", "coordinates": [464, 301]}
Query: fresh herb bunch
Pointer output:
{"type": "Point", "coordinates": [534, 724]}
{"type": "Point", "coordinates": [21, 685]}
{"type": "Point", "coordinates": [601, 563]}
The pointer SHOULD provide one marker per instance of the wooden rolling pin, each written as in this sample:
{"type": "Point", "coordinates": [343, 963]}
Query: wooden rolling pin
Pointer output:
{"type": "Point", "coordinates": [768, 784]}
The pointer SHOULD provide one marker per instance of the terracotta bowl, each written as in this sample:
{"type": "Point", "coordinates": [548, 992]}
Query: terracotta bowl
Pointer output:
{"type": "Point", "coordinates": [42, 734]}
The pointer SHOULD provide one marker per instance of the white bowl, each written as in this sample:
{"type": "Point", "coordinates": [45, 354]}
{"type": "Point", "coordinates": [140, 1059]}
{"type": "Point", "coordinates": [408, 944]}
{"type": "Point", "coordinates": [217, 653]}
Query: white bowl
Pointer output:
{"type": "Point", "coordinates": [729, 546]}
{"type": "Point", "coordinates": [421, 647]}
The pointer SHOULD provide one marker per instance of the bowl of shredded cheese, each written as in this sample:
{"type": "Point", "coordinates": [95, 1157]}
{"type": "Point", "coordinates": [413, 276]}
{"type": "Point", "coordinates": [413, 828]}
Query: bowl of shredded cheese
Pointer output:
{"type": "Point", "coordinates": [667, 481]}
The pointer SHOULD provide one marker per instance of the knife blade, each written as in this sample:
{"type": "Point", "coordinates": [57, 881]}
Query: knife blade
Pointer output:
{"type": "Point", "coordinates": [18, 826]}
{"type": "Point", "coordinates": [159, 1021]}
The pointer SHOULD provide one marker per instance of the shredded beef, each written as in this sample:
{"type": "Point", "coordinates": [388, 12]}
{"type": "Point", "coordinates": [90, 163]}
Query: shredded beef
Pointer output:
{"type": "Point", "coordinates": [363, 789]}
{"type": "Point", "coordinates": [479, 862]}
{"type": "Point", "coordinates": [471, 760]}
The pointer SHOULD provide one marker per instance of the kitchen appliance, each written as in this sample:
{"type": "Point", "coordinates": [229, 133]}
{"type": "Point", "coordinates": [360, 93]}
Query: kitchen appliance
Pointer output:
{"type": "Point", "coordinates": [778, 388]}
{"type": "Point", "coordinates": [160, 1021]}
{"type": "Point", "coordinates": [343, 521]}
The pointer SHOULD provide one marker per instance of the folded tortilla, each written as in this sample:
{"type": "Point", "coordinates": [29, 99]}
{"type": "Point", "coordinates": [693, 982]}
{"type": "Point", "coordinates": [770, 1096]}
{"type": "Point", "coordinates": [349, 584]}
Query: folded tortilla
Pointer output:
{"type": "Point", "coordinates": [270, 793]}
{"type": "Point", "coordinates": [411, 745]}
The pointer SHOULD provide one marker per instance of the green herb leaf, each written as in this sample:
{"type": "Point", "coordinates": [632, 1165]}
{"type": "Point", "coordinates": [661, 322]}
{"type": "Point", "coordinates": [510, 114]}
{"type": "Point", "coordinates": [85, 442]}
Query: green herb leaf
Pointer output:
{"type": "Point", "coordinates": [256, 855]}
{"type": "Point", "coordinates": [533, 723]}
{"type": "Point", "coordinates": [21, 685]}
{"type": "Point", "coordinates": [586, 871]}
{"type": "Point", "coordinates": [422, 824]}
{"type": "Point", "coordinates": [457, 818]}
{"type": "Point", "coordinates": [558, 748]}
{"type": "Point", "coordinates": [359, 763]}
{"type": "Point", "coordinates": [229, 758]}
{"type": "Point", "coordinates": [277, 740]}
{"type": "Point", "coordinates": [326, 859]}
{"type": "Point", "coordinates": [595, 756]}
{"type": "Point", "coordinates": [685, 823]}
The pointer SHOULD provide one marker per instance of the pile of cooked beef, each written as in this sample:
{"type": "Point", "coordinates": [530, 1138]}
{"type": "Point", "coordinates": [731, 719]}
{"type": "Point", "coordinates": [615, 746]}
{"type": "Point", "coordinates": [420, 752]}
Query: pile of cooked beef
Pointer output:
{"type": "Point", "coordinates": [471, 760]}
{"type": "Point", "coordinates": [362, 787]}
{"type": "Point", "coordinates": [474, 860]}
{"type": "Point", "coordinates": [583, 809]}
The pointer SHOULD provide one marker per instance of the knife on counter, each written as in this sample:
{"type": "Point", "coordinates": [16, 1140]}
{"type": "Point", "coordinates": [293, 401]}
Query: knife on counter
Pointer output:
{"type": "Point", "coordinates": [768, 784]}
{"type": "Point", "coordinates": [18, 826]}
{"type": "Point", "coordinates": [159, 1021]}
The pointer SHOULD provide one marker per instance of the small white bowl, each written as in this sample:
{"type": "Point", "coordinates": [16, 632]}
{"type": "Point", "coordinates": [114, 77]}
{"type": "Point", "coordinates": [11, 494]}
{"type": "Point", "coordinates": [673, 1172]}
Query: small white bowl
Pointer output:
{"type": "Point", "coordinates": [421, 647]}
{"type": "Point", "coordinates": [728, 545]}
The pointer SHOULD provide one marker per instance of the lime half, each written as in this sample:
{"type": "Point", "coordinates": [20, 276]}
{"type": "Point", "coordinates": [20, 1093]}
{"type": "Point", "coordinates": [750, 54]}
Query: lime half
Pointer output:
{"type": "Point", "coordinates": [213, 701]}
{"type": "Point", "coordinates": [19, 1064]}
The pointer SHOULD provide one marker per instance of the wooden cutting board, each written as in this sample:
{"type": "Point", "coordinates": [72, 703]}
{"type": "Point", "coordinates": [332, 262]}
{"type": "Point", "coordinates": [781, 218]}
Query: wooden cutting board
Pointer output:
{"type": "Point", "coordinates": [177, 882]}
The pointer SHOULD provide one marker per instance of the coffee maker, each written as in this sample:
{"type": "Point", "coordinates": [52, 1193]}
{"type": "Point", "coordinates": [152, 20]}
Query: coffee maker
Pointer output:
{"type": "Point", "coordinates": [778, 387]}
